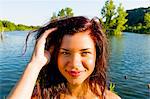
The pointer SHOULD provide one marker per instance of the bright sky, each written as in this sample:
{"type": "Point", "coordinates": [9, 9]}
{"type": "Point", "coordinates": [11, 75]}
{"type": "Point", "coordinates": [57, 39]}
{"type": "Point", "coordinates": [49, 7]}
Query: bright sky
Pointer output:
{"type": "Point", "coordinates": [38, 12]}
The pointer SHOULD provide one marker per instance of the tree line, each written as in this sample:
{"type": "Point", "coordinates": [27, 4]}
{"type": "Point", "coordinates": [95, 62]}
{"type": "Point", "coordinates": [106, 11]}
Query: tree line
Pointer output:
{"type": "Point", "coordinates": [138, 20]}
{"type": "Point", "coordinates": [114, 19]}
{"type": "Point", "coordinates": [10, 26]}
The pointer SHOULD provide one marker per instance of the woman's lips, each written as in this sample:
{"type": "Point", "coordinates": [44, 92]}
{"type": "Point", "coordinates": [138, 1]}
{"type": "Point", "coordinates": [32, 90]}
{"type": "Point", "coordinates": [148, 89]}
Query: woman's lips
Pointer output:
{"type": "Point", "coordinates": [74, 73]}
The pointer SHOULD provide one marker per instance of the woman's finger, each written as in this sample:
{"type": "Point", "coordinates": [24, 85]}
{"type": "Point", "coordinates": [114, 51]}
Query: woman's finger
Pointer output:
{"type": "Point", "coordinates": [47, 32]}
{"type": "Point", "coordinates": [42, 39]}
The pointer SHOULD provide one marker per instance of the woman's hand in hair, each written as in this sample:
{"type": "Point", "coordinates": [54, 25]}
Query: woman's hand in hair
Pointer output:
{"type": "Point", "coordinates": [40, 56]}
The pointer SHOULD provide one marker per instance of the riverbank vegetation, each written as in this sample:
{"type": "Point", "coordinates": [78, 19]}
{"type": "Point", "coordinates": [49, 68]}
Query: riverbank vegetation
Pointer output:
{"type": "Point", "coordinates": [115, 20]}
{"type": "Point", "coordinates": [10, 26]}
{"type": "Point", "coordinates": [138, 20]}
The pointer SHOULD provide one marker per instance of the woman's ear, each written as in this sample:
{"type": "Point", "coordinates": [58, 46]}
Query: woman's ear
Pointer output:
{"type": "Point", "coordinates": [51, 49]}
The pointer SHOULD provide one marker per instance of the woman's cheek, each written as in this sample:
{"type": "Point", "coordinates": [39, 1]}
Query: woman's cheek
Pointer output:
{"type": "Point", "coordinates": [90, 61]}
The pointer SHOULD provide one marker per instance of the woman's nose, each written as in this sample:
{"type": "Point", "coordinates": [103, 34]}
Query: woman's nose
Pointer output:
{"type": "Point", "coordinates": [76, 60]}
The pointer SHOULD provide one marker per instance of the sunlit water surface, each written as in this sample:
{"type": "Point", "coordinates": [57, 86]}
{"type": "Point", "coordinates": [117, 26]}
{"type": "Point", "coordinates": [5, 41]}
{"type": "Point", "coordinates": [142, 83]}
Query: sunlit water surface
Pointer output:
{"type": "Point", "coordinates": [129, 63]}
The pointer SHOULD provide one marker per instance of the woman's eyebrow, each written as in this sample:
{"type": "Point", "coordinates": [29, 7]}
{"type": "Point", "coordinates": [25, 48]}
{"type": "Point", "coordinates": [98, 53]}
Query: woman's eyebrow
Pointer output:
{"type": "Point", "coordinates": [84, 49]}
{"type": "Point", "coordinates": [64, 49]}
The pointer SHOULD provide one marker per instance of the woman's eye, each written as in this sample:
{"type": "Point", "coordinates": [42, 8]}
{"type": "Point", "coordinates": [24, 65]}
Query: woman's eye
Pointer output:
{"type": "Point", "coordinates": [85, 53]}
{"type": "Point", "coordinates": [65, 53]}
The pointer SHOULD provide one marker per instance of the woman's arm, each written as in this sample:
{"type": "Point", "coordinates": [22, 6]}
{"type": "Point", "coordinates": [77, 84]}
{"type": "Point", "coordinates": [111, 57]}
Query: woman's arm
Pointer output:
{"type": "Point", "coordinates": [24, 88]}
{"type": "Point", "coordinates": [40, 57]}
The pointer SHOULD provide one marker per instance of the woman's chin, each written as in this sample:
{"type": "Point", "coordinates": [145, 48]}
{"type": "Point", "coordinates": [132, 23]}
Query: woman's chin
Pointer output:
{"type": "Point", "coordinates": [75, 81]}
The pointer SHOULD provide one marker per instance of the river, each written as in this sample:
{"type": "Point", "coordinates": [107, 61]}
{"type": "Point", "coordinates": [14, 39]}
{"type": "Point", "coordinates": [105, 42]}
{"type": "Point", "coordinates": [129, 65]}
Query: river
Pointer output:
{"type": "Point", "coordinates": [129, 63]}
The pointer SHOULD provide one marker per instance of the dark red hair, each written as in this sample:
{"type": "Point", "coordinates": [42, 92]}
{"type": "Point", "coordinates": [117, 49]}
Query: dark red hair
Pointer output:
{"type": "Point", "coordinates": [50, 80]}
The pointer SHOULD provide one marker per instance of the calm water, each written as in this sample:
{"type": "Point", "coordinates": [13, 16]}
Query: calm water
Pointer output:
{"type": "Point", "coordinates": [129, 58]}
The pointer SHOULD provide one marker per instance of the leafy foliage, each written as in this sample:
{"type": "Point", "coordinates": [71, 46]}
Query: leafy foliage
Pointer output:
{"type": "Point", "coordinates": [139, 20]}
{"type": "Point", "coordinates": [136, 16]}
{"type": "Point", "coordinates": [147, 19]}
{"type": "Point", "coordinates": [10, 26]}
{"type": "Point", "coordinates": [120, 20]}
{"type": "Point", "coordinates": [112, 87]}
{"type": "Point", "coordinates": [63, 13]}
{"type": "Point", "coordinates": [114, 21]}
{"type": "Point", "coordinates": [108, 11]}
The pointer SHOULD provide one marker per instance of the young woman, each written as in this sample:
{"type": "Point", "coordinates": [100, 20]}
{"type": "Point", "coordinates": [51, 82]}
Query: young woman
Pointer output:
{"type": "Point", "coordinates": [69, 62]}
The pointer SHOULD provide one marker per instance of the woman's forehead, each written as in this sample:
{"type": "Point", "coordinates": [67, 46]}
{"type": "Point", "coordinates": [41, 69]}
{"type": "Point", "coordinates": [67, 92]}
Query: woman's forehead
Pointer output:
{"type": "Point", "coordinates": [81, 40]}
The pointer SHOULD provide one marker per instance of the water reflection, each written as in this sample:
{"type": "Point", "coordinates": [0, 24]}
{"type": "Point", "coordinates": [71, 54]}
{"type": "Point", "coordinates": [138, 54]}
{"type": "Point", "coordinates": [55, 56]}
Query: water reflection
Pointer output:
{"type": "Point", "coordinates": [129, 64]}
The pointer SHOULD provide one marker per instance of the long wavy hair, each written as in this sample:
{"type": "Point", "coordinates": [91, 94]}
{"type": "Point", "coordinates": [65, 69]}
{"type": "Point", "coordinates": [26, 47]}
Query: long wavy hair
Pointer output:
{"type": "Point", "coordinates": [50, 82]}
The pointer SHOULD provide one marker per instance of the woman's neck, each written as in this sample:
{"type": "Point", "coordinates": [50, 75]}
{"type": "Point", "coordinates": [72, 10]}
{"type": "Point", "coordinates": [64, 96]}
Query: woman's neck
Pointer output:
{"type": "Point", "coordinates": [81, 91]}
{"type": "Point", "coordinates": [78, 90]}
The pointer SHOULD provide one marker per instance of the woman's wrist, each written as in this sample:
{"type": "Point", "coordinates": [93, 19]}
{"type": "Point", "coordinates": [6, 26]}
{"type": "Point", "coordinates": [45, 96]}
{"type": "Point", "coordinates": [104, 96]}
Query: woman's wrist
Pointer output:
{"type": "Point", "coordinates": [34, 66]}
{"type": "Point", "coordinates": [25, 86]}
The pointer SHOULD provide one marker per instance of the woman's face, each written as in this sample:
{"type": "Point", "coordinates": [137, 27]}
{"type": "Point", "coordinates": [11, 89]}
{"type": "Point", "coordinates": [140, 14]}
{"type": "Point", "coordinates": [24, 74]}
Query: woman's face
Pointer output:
{"type": "Point", "coordinates": [77, 56]}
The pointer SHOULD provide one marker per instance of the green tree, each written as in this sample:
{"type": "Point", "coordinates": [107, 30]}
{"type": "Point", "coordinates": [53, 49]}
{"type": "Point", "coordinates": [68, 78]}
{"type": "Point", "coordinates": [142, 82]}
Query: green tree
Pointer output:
{"type": "Point", "coordinates": [1, 25]}
{"type": "Point", "coordinates": [147, 19]}
{"type": "Point", "coordinates": [21, 27]}
{"type": "Point", "coordinates": [63, 13]}
{"type": "Point", "coordinates": [9, 25]}
{"type": "Point", "coordinates": [136, 16]}
{"type": "Point", "coordinates": [69, 11]}
{"type": "Point", "coordinates": [120, 20]}
{"type": "Point", "coordinates": [138, 20]}
{"type": "Point", "coordinates": [108, 11]}
{"type": "Point", "coordinates": [113, 21]}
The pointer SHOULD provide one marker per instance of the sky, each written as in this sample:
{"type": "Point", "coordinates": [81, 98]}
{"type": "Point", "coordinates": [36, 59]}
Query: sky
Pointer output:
{"type": "Point", "coordinates": [39, 12]}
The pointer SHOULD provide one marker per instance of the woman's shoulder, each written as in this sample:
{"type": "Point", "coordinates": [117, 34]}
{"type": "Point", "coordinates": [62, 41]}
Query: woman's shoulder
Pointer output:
{"type": "Point", "coordinates": [111, 95]}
